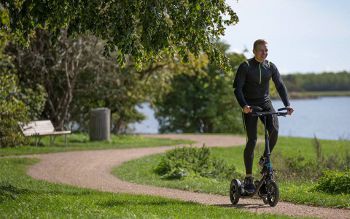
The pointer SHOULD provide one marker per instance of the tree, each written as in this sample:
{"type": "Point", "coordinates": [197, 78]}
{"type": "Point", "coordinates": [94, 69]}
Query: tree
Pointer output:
{"type": "Point", "coordinates": [55, 66]}
{"type": "Point", "coordinates": [201, 100]}
{"type": "Point", "coordinates": [122, 89]}
{"type": "Point", "coordinates": [17, 104]}
{"type": "Point", "coordinates": [143, 29]}
{"type": "Point", "coordinates": [77, 77]}
{"type": "Point", "coordinates": [12, 109]}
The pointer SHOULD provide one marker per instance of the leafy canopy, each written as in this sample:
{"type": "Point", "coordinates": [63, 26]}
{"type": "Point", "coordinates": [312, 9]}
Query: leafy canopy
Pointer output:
{"type": "Point", "coordinates": [143, 29]}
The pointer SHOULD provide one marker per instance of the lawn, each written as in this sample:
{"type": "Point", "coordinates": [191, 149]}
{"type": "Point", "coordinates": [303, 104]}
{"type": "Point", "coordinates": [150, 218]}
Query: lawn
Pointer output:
{"type": "Point", "coordinates": [81, 142]}
{"type": "Point", "coordinates": [142, 171]}
{"type": "Point", "coordinates": [23, 197]}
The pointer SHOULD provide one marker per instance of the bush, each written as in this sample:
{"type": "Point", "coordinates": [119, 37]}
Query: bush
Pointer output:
{"type": "Point", "coordinates": [195, 162]}
{"type": "Point", "coordinates": [298, 167]}
{"type": "Point", "coordinates": [334, 182]}
{"type": "Point", "coordinates": [12, 110]}
{"type": "Point", "coordinates": [292, 168]}
{"type": "Point", "coordinates": [16, 104]}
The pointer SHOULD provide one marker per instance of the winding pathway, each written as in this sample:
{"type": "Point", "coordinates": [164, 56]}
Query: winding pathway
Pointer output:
{"type": "Point", "coordinates": [92, 169]}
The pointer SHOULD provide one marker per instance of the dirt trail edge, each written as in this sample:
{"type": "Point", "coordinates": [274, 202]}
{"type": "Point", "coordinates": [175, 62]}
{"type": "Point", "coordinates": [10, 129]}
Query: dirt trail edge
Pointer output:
{"type": "Point", "coordinates": [92, 169]}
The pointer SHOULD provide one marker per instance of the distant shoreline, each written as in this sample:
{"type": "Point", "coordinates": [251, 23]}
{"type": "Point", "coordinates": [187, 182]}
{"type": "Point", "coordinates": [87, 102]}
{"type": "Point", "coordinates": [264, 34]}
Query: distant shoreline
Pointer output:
{"type": "Point", "coordinates": [316, 94]}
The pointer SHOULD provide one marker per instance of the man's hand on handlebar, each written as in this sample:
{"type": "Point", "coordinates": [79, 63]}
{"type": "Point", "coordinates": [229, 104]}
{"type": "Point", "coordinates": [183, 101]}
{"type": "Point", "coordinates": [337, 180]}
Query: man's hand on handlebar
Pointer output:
{"type": "Point", "coordinates": [247, 109]}
{"type": "Point", "coordinates": [290, 110]}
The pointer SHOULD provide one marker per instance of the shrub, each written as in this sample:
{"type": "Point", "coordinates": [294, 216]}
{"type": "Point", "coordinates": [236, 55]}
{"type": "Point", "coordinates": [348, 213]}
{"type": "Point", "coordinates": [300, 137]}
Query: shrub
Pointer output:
{"type": "Point", "coordinates": [292, 168]}
{"type": "Point", "coordinates": [195, 162]}
{"type": "Point", "coordinates": [16, 104]}
{"type": "Point", "coordinates": [12, 110]}
{"type": "Point", "coordinates": [300, 168]}
{"type": "Point", "coordinates": [334, 182]}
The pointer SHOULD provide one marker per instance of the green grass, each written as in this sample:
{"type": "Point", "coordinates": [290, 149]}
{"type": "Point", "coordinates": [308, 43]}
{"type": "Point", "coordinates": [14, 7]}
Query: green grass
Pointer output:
{"type": "Point", "coordinates": [316, 94]}
{"type": "Point", "coordinates": [302, 193]}
{"type": "Point", "coordinates": [23, 197]}
{"type": "Point", "coordinates": [141, 171]}
{"type": "Point", "coordinates": [81, 142]}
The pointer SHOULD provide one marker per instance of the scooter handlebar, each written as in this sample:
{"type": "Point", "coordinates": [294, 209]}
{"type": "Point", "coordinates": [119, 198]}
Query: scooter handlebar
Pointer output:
{"type": "Point", "coordinates": [256, 109]}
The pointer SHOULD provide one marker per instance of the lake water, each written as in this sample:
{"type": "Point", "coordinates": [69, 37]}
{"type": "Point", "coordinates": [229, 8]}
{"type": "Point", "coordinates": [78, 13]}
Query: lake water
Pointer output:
{"type": "Point", "coordinates": [325, 117]}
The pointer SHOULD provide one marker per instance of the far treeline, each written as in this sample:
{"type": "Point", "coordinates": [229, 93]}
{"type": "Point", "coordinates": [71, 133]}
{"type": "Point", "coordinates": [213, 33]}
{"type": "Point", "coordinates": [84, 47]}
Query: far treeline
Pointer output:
{"type": "Point", "coordinates": [326, 81]}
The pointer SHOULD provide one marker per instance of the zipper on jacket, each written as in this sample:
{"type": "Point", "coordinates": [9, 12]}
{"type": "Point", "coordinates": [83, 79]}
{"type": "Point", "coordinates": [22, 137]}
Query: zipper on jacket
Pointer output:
{"type": "Point", "coordinates": [260, 73]}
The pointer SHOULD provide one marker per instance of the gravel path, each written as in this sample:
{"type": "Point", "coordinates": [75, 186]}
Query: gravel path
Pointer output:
{"type": "Point", "coordinates": [92, 169]}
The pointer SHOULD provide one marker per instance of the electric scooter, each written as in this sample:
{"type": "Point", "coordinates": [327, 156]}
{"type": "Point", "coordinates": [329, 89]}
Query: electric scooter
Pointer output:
{"type": "Point", "coordinates": [266, 187]}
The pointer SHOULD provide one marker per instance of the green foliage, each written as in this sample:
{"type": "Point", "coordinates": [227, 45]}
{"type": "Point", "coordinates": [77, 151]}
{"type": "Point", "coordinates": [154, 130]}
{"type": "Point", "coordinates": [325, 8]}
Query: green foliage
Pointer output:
{"type": "Point", "coordinates": [77, 76]}
{"type": "Point", "coordinates": [119, 89]}
{"type": "Point", "coordinates": [189, 161]}
{"type": "Point", "coordinates": [334, 182]}
{"type": "Point", "coordinates": [143, 29]}
{"type": "Point", "coordinates": [299, 167]}
{"type": "Point", "coordinates": [294, 168]}
{"type": "Point", "coordinates": [34, 100]}
{"type": "Point", "coordinates": [66, 66]}
{"type": "Point", "coordinates": [51, 68]}
{"type": "Point", "coordinates": [12, 111]}
{"type": "Point", "coordinates": [201, 100]}
{"type": "Point", "coordinates": [17, 104]}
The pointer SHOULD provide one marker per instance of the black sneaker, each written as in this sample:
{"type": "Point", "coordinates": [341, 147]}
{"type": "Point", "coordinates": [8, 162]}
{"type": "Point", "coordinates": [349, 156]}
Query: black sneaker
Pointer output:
{"type": "Point", "coordinates": [249, 184]}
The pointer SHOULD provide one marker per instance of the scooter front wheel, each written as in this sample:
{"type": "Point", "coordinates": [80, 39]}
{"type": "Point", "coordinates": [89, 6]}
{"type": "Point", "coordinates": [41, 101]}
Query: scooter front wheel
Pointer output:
{"type": "Point", "coordinates": [235, 191]}
{"type": "Point", "coordinates": [273, 193]}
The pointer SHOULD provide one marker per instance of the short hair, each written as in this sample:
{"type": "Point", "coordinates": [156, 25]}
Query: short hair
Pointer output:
{"type": "Point", "coordinates": [258, 42]}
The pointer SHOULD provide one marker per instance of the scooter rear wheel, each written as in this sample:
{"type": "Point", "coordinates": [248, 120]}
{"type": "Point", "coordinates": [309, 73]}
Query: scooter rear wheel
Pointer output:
{"type": "Point", "coordinates": [273, 193]}
{"type": "Point", "coordinates": [235, 191]}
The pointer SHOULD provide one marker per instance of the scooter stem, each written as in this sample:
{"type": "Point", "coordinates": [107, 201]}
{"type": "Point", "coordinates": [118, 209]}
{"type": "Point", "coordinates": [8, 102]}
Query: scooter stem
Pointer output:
{"type": "Point", "coordinates": [267, 144]}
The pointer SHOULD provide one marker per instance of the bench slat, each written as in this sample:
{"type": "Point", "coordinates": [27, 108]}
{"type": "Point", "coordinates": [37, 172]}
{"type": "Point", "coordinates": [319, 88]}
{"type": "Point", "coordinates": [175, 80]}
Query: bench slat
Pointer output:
{"type": "Point", "coordinates": [55, 133]}
{"type": "Point", "coordinates": [41, 127]}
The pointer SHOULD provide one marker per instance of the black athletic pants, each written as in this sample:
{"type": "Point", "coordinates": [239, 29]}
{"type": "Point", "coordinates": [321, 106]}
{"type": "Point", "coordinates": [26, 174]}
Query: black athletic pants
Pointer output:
{"type": "Point", "coordinates": [251, 123]}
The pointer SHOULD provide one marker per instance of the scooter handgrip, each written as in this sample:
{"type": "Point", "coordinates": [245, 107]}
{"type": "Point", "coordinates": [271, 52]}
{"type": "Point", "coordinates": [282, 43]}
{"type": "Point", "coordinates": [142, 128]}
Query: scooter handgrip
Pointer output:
{"type": "Point", "coordinates": [256, 108]}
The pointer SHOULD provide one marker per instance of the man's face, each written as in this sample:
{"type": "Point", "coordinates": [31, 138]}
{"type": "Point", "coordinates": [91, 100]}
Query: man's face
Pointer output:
{"type": "Point", "coordinates": [261, 52]}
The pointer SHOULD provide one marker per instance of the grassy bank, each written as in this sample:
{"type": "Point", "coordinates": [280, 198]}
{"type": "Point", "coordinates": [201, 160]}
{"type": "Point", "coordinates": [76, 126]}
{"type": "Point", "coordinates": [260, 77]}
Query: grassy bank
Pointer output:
{"type": "Point", "coordinates": [81, 142]}
{"type": "Point", "coordinates": [316, 94]}
{"type": "Point", "coordinates": [142, 171]}
{"type": "Point", "coordinates": [23, 197]}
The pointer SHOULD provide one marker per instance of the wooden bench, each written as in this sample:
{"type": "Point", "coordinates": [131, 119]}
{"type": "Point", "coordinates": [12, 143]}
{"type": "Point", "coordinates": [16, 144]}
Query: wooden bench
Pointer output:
{"type": "Point", "coordinates": [41, 128]}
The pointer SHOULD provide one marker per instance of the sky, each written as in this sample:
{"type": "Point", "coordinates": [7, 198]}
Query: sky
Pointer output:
{"type": "Point", "coordinates": [303, 35]}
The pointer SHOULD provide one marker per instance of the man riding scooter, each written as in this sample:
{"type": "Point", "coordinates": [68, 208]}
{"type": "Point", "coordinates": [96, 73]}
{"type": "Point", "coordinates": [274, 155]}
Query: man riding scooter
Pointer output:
{"type": "Point", "coordinates": [252, 89]}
